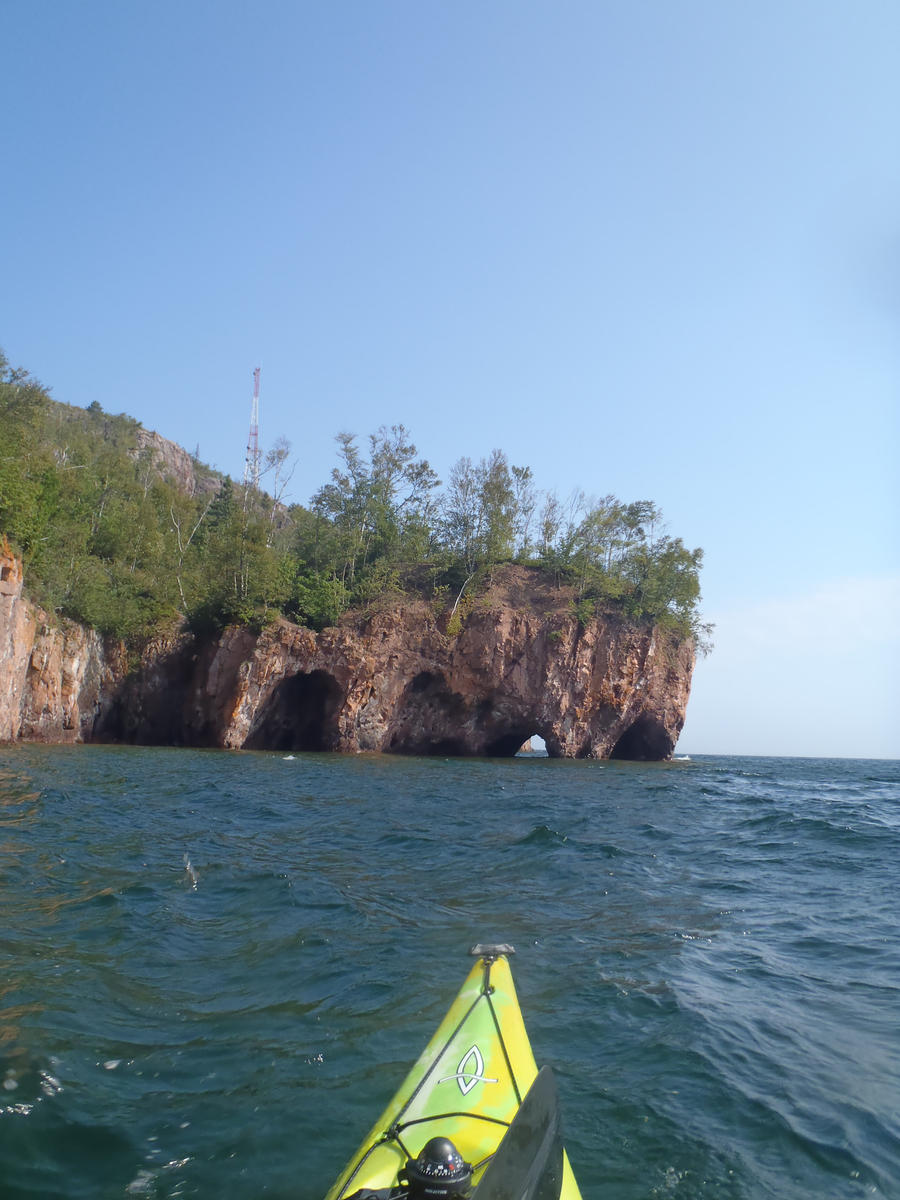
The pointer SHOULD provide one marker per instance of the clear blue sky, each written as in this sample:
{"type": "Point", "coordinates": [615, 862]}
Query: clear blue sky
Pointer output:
{"type": "Point", "coordinates": [646, 248]}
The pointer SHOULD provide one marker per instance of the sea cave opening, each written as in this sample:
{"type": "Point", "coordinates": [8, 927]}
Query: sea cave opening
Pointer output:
{"type": "Point", "coordinates": [533, 747]}
{"type": "Point", "coordinates": [429, 718]}
{"type": "Point", "coordinates": [644, 741]}
{"type": "Point", "coordinates": [517, 742]}
{"type": "Point", "coordinates": [299, 715]}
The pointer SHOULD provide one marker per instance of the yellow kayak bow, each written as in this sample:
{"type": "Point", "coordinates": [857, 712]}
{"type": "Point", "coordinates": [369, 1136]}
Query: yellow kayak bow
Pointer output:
{"type": "Point", "coordinates": [468, 1085]}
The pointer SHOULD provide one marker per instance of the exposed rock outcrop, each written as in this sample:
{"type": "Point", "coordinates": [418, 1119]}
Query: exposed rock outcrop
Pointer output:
{"type": "Point", "coordinates": [173, 463]}
{"type": "Point", "coordinates": [54, 676]}
{"type": "Point", "coordinates": [393, 681]}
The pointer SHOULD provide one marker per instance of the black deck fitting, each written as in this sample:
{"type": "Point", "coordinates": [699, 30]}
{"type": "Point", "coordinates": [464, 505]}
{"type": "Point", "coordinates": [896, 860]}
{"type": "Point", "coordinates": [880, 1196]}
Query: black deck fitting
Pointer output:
{"type": "Point", "coordinates": [491, 950]}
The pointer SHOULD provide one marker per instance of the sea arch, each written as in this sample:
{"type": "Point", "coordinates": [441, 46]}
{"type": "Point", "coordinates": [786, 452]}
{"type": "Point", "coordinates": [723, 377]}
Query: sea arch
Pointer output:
{"type": "Point", "coordinates": [300, 713]}
{"type": "Point", "coordinates": [645, 740]}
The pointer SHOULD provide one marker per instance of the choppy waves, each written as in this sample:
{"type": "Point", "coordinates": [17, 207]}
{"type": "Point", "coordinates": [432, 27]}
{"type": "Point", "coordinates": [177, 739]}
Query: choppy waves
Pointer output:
{"type": "Point", "coordinates": [221, 964]}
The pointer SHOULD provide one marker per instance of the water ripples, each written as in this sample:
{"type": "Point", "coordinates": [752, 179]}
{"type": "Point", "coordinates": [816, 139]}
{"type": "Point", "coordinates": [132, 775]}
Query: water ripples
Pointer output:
{"type": "Point", "coordinates": [222, 964]}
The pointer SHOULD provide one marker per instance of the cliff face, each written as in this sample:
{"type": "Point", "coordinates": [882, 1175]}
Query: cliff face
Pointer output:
{"type": "Point", "coordinates": [393, 682]}
{"type": "Point", "coordinates": [53, 678]}
{"type": "Point", "coordinates": [173, 463]}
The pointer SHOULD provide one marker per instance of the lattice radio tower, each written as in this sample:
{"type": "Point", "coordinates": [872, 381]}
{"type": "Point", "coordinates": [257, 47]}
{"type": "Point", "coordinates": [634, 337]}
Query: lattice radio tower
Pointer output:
{"type": "Point", "coordinates": [251, 463]}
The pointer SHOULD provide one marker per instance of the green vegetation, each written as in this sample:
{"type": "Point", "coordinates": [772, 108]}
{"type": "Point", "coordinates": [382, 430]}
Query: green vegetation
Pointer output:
{"type": "Point", "coordinates": [109, 538]}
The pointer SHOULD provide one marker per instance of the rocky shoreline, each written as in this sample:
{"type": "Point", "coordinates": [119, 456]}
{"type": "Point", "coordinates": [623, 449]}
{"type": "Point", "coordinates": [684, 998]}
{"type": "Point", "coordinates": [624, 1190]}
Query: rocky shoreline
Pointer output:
{"type": "Point", "coordinates": [389, 681]}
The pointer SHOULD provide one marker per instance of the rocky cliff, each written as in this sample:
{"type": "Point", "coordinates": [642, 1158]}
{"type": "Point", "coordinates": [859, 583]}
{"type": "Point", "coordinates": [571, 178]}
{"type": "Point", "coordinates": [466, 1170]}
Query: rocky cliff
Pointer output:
{"type": "Point", "coordinates": [54, 676]}
{"type": "Point", "coordinates": [174, 464]}
{"type": "Point", "coordinates": [392, 681]}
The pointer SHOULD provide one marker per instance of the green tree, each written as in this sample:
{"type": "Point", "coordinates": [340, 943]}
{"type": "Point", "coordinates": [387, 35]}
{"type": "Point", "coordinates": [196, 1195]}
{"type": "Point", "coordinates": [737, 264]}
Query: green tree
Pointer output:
{"type": "Point", "coordinates": [24, 461]}
{"type": "Point", "coordinates": [107, 539]}
{"type": "Point", "coordinates": [498, 507]}
{"type": "Point", "coordinates": [525, 505]}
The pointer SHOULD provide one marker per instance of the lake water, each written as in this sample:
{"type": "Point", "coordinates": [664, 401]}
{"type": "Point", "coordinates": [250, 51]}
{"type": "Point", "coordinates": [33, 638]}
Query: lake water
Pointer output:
{"type": "Point", "coordinates": [216, 967]}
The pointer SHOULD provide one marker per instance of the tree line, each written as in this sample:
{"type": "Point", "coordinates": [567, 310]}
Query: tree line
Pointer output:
{"type": "Point", "coordinates": [107, 540]}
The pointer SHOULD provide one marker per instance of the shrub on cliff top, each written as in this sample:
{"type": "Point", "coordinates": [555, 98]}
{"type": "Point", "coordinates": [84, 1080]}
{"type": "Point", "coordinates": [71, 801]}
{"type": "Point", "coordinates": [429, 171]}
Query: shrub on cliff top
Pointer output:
{"type": "Point", "coordinates": [108, 540]}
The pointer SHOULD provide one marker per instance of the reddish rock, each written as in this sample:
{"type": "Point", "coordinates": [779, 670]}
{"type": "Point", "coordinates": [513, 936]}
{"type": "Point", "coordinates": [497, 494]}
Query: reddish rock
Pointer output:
{"type": "Point", "coordinates": [53, 675]}
{"type": "Point", "coordinates": [395, 682]}
{"type": "Point", "coordinates": [391, 681]}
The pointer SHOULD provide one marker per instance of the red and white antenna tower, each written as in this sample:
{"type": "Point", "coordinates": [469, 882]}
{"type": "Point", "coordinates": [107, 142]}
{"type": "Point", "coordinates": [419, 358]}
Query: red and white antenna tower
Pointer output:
{"type": "Point", "coordinates": [251, 463]}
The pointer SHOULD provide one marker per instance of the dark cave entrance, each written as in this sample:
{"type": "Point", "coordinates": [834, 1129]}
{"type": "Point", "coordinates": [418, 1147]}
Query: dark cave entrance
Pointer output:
{"type": "Point", "coordinates": [508, 745]}
{"type": "Point", "coordinates": [430, 715]}
{"type": "Point", "coordinates": [644, 741]}
{"type": "Point", "coordinates": [300, 715]}
{"type": "Point", "coordinates": [431, 718]}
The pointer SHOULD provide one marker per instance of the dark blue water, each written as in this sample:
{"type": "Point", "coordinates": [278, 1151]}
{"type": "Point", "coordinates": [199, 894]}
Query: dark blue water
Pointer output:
{"type": "Point", "coordinates": [215, 967]}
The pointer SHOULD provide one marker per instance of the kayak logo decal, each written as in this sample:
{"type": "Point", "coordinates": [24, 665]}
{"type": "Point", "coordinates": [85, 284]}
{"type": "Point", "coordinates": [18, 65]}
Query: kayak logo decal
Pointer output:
{"type": "Point", "coordinates": [469, 1072]}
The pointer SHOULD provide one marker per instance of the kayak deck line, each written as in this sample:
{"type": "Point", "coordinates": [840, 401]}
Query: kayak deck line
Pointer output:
{"type": "Point", "coordinates": [394, 1134]}
{"type": "Point", "coordinates": [486, 991]}
{"type": "Point", "coordinates": [480, 1053]}
{"type": "Point", "coordinates": [487, 957]}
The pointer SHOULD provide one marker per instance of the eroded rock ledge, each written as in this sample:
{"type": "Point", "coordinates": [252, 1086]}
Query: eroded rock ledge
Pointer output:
{"type": "Point", "coordinates": [394, 682]}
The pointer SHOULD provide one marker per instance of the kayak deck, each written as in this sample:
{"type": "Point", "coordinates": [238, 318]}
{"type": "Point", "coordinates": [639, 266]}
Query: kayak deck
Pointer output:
{"type": "Point", "coordinates": [467, 1085]}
